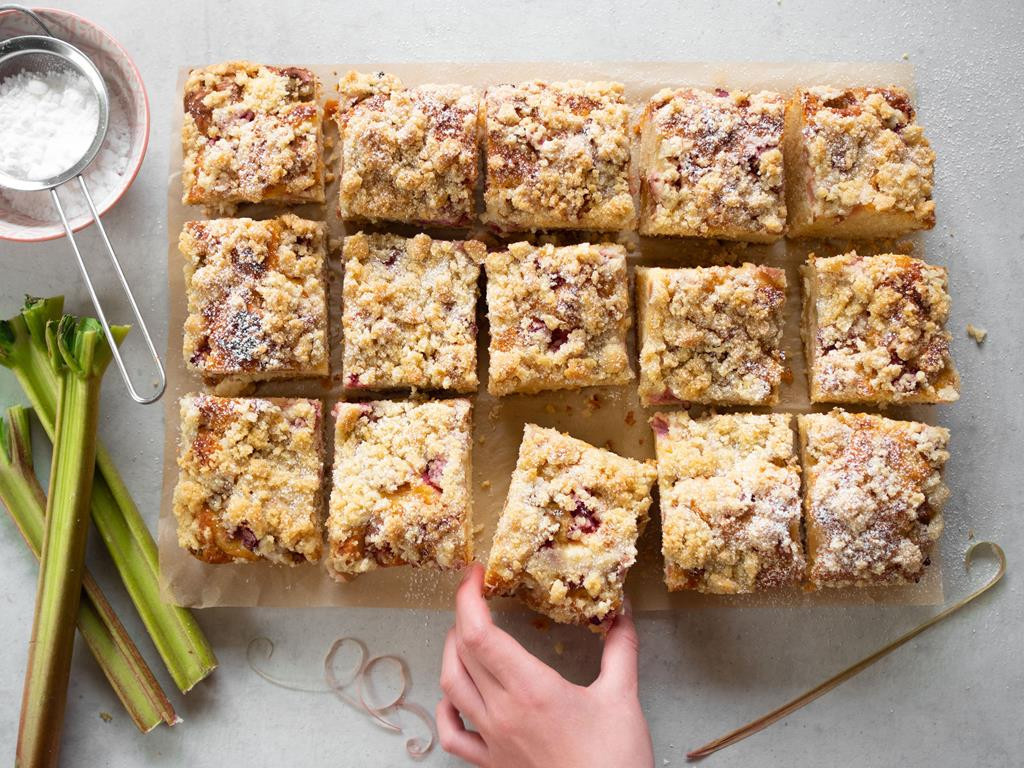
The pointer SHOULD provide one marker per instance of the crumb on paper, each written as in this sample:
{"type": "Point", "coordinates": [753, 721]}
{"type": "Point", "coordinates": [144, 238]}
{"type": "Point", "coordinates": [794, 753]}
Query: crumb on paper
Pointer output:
{"type": "Point", "coordinates": [970, 534]}
{"type": "Point", "coordinates": [495, 413]}
{"type": "Point", "coordinates": [549, 408]}
{"type": "Point", "coordinates": [106, 717]}
{"type": "Point", "coordinates": [559, 647]}
{"type": "Point", "coordinates": [630, 418]}
{"type": "Point", "coordinates": [592, 403]}
{"type": "Point", "coordinates": [906, 56]}
{"type": "Point", "coordinates": [568, 408]}
{"type": "Point", "coordinates": [642, 442]}
{"type": "Point", "coordinates": [481, 439]}
{"type": "Point", "coordinates": [609, 445]}
{"type": "Point", "coordinates": [978, 334]}
{"type": "Point", "coordinates": [486, 485]}
{"type": "Point", "coordinates": [541, 623]}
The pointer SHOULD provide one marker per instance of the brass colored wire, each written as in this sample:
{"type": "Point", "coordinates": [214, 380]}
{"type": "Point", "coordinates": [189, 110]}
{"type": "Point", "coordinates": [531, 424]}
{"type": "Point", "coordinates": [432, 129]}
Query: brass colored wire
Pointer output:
{"type": "Point", "coordinates": [820, 690]}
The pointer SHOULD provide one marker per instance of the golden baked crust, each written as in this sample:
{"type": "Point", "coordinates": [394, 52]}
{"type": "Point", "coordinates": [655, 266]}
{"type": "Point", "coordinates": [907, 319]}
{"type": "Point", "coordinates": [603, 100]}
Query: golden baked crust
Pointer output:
{"type": "Point", "coordinates": [567, 535]}
{"type": "Point", "coordinates": [558, 156]}
{"type": "Point", "coordinates": [875, 330]}
{"type": "Point", "coordinates": [409, 313]}
{"type": "Point", "coordinates": [711, 164]}
{"type": "Point", "coordinates": [250, 474]}
{"type": "Point", "coordinates": [252, 133]}
{"type": "Point", "coordinates": [710, 334]}
{"type": "Point", "coordinates": [257, 307]}
{"type": "Point", "coordinates": [558, 317]}
{"type": "Point", "coordinates": [730, 501]}
{"type": "Point", "coordinates": [407, 154]}
{"type": "Point", "coordinates": [857, 164]}
{"type": "Point", "coordinates": [402, 487]}
{"type": "Point", "coordinates": [873, 497]}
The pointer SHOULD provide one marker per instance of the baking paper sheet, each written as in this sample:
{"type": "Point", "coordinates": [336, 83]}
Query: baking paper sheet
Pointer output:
{"type": "Point", "coordinates": [605, 416]}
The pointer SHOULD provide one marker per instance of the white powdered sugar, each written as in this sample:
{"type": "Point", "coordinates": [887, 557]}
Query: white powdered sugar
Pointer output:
{"type": "Point", "coordinates": [47, 122]}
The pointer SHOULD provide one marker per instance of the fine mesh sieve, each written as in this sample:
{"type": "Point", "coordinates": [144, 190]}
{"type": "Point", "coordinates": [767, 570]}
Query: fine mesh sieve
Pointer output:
{"type": "Point", "coordinates": [41, 54]}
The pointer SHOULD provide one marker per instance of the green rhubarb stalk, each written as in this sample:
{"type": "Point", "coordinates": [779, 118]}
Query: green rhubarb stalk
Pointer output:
{"type": "Point", "coordinates": [120, 660]}
{"type": "Point", "coordinates": [79, 355]}
{"type": "Point", "coordinates": [175, 632]}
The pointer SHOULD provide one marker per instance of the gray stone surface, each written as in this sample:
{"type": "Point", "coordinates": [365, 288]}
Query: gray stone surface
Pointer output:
{"type": "Point", "coordinates": [951, 697]}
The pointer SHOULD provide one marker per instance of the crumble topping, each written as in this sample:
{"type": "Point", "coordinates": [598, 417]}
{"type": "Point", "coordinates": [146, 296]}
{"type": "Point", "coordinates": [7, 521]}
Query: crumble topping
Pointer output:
{"type": "Point", "coordinates": [252, 133]}
{"type": "Point", "coordinates": [873, 499]}
{"type": "Point", "coordinates": [409, 316]}
{"type": "Point", "coordinates": [711, 164]}
{"type": "Point", "coordinates": [558, 317]}
{"type": "Point", "coordinates": [401, 492]}
{"type": "Point", "coordinates": [256, 298]}
{"type": "Point", "coordinates": [408, 154]}
{"type": "Point", "coordinates": [730, 502]}
{"type": "Point", "coordinates": [558, 156]}
{"type": "Point", "coordinates": [875, 330]}
{"type": "Point", "coordinates": [250, 478]}
{"type": "Point", "coordinates": [567, 535]}
{"type": "Point", "coordinates": [711, 334]}
{"type": "Point", "coordinates": [860, 149]}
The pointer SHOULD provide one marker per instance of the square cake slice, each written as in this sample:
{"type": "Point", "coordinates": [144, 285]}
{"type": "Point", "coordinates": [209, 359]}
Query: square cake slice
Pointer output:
{"type": "Point", "coordinates": [402, 490]}
{"type": "Point", "coordinates": [857, 164]}
{"type": "Point", "coordinates": [730, 502]}
{"type": "Point", "coordinates": [252, 133]}
{"type": "Point", "coordinates": [409, 315]}
{"type": "Point", "coordinates": [558, 157]}
{"type": "Point", "coordinates": [256, 291]}
{"type": "Point", "coordinates": [874, 330]}
{"type": "Point", "coordinates": [249, 482]}
{"type": "Point", "coordinates": [407, 154]}
{"type": "Point", "coordinates": [873, 497]}
{"type": "Point", "coordinates": [711, 334]}
{"type": "Point", "coordinates": [558, 317]}
{"type": "Point", "coordinates": [567, 534]}
{"type": "Point", "coordinates": [711, 165]}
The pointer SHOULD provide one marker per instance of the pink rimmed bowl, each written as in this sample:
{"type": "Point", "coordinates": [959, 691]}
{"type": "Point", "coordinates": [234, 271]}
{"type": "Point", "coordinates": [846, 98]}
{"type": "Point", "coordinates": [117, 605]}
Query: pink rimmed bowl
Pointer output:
{"type": "Point", "coordinates": [125, 86]}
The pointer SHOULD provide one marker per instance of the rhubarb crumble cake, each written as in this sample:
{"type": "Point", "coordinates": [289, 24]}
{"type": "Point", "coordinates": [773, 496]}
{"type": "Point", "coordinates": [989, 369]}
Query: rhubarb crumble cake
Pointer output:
{"type": "Point", "coordinates": [409, 313]}
{"type": "Point", "coordinates": [558, 156]}
{"type": "Point", "coordinates": [257, 307]}
{"type": "Point", "coordinates": [249, 485]}
{"type": "Point", "coordinates": [711, 334]}
{"type": "Point", "coordinates": [252, 133]}
{"type": "Point", "coordinates": [875, 330]}
{"type": "Point", "coordinates": [407, 154]}
{"type": "Point", "coordinates": [402, 487]}
{"type": "Point", "coordinates": [558, 317]}
{"type": "Point", "coordinates": [567, 534]}
{"type": "Point", "coordinates": [873, 497]}
{"type": "Point", "coordinates": [730, 502]}
{"type": "Point", "coordinates": [711, 165]}
{"type": "Point", "coordinates": [857, 164]}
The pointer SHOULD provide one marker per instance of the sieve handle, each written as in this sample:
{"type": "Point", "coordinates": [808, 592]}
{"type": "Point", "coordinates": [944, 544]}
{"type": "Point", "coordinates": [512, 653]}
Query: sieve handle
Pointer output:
{"type": "Point", "coordinates": [161, 377]}
{"type": "Point", "coordinates": [30, 13]}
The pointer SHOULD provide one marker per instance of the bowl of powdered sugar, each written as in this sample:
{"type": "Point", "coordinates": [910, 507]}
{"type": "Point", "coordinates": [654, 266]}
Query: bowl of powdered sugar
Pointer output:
{"type": "Point", "coordinates": [48, 119]}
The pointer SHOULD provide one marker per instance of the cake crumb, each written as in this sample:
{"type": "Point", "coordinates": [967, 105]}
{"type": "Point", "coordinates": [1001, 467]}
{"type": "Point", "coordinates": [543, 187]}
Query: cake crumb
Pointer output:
{"type": "Point", "coordinates": [106, 717]}
{"type": "Point", "coordinates": [549, 408]}
{"type": "Point", "coordinates": [559, 647]}
{"type": "Point", "coordinates": [486, 485]}
{"type": "Point", "coordinates": [978, 334]}
{"type": "Point", "coordinates": [906, 56]}
{"type": "Point", "coordinates": [630, 418]}
{"type": "Point", "coordinates": [481, 440]}
{"type": "Point", "coordinates": [541, 624]}
{"type": "Point", "coordinates": [970, 534]}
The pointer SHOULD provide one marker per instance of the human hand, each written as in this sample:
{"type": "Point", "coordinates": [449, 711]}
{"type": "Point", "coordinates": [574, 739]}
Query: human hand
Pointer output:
{"type": "Point", "coordinates": [527, 715]}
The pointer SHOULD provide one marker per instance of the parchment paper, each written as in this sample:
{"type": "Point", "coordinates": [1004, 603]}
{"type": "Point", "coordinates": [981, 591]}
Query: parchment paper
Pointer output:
{"type": "Point", "coordinates": [604, 416]}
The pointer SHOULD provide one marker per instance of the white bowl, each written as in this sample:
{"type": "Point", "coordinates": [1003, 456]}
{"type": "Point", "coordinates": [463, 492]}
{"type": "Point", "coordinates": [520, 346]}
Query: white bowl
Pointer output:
{"type": "Point", "coordinates": [125, 86]}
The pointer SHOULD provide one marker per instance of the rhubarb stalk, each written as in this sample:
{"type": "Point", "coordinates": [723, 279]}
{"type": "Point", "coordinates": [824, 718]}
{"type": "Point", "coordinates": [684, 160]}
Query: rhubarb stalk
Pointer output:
{"type": "Point", "coordinates": [175, 633]}
{"type": "Point", "coordinates": [78, 354]}
{"type": "Point", "coordinates": [121, 662]}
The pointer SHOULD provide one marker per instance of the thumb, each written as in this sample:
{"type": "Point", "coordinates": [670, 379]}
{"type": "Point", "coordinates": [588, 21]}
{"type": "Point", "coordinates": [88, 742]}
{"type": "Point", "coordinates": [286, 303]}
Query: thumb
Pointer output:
{"type": "Point", "coordinates": [619, 659]}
